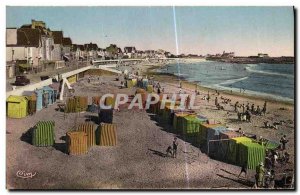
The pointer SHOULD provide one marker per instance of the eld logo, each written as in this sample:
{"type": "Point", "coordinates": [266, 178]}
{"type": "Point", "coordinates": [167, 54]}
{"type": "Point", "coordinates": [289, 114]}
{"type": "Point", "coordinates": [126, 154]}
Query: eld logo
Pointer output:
{"type": "Point", "coordinates": [25, 175]}
{"type": "Point", "coordinates": [186, 101]}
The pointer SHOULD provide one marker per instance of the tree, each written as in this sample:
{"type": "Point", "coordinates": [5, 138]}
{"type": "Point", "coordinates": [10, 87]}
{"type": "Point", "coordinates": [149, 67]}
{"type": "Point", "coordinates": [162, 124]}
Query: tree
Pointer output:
{"type": "Point", "coordinates": [112, 50]}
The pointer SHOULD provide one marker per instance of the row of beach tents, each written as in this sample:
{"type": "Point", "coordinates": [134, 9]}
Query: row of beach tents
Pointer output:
{"type": "Point", "coordinates": [30, 102]}
{"type": "Point", "coordinates": [212, 137]}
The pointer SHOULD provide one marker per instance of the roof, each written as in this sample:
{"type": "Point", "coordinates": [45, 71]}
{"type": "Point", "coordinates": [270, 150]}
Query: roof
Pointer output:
{"type": "Point", "coordinates": [58, 37]}
{"type": "Point", "coordinates": [14, 98]}
{"type": "Point", "coordinates": [47, 88]}
{"type": "Point", "coordinates": [26, 26]}
{"type": "Point", "coordinates": [242, 139]}
{"type": "Point", "coordinates": [91, 46]}
{"type": "Point", "coordinates": [81, 47]}
{"type": "Point", "coordinates": [67, 41]}
{"type": "Point", "coordinates": [28, 37]}
{"type": "Point", "coordinates": [129, 49]}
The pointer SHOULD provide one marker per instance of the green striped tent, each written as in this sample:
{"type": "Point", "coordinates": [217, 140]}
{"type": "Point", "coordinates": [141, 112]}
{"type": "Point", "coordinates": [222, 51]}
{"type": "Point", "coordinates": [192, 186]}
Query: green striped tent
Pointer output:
{"type": "Point", "coordinates": [251, 153]}
{"type": "Point", "coordinates": [233, 149]}
{"type": "Point", "coordinates": [178, 121]}
{"type": "Point", "coordinates": [191, 125]}
{"type": "Point", "coordinates": [76, 104]}
{"type": "Point", "coordinates": [43, 134]}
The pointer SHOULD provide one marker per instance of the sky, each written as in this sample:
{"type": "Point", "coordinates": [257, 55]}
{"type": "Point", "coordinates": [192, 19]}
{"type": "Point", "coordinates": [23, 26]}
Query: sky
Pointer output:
{"type": "Point", "coordinates": [196, 30]}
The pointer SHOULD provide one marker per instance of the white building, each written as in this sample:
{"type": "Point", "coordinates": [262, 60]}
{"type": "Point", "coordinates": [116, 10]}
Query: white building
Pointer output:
{"type": "Point", "coordinates": [24, 44]}
{"type": "Point", "coordinates": [130, 52]}
{"type": "Point", "coordinates": [57, 46]}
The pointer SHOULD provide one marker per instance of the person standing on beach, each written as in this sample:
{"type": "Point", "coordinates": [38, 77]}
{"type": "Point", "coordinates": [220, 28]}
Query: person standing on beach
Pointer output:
{"type": "Point", "coordinates": [283, 142]}
{"type": "Point", "coordinates": [180, 84]}
{"type": "Point", "coordinates": [216, 101]}
{"type": "Point", "coordinates": [248, 106]}
{"type": "Point", "coordinates": [235, 106]}
{"type": "Point", "coordinates": [158, 85]}
{"type": "Point", "coordinates": [187, 102]}
{"type": "Point", "coordinates": [175, 144]}
{"type": "Point", "coordinates": [208, 97]}
{"type": "Point", "coordinates": [264, 110]}
{"type": "Point", "coordinates": [243, 106]}
{"type": "Point", "coordinates": [252, 108]}
{"type": "Point", "coordinates": [158, 90]}
{"type": "Point", "coordinates": [260, 171]}
{"type": "Point", "coordinates": [258, 111]}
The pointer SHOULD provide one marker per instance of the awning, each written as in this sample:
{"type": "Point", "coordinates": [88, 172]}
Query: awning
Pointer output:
{"type": "Point", "coordinates": [24, 65]}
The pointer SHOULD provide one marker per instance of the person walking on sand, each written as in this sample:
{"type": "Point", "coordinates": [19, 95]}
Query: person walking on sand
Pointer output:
{"type": "Point", "coordinates": [243, 170]}
{"type": "Point", "coordinates": [169, 151]}
{"type": "Point", "coordinates": [175, 144]}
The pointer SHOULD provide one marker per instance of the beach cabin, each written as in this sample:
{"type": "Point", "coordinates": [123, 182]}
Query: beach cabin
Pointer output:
{"type": "Point", "coordinates": [50, 94]}
{"type": "Point", "coordinates": [202, 137]}
{"type": "Point", "coordinates": [232, 152]}
{"type": "Point", "coordinates": [145, 83]}
{"type": "Point", "coordinates": [213, 133]}
{"type": "Point", "coordinates": [39, 99]}
{"type": "Point", "coordinates": [129, 83]}
{"type": "Point", "coordinates": [250, 153]}
{"type": "Point", "coordinates": [168, 113]}
{"type": "Point", "coordinates": [17, 106]}
{"type": "Point", "coordinates": [150, 89]}
{"type": "Point", "coordinates": [31, 96]}
{"type": "Point", "coordinates": [216, 147]}
{"type": "Point", "coordinates": [191, 125]}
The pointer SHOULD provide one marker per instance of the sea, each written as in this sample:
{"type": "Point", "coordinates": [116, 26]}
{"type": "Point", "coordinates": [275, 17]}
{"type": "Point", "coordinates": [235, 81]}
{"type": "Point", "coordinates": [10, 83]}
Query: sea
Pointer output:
{"type": "Point", "coordinates": [274, 81]}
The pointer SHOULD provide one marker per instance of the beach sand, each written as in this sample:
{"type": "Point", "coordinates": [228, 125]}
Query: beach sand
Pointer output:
{"type": "Point", "coordinates": [136, 161]}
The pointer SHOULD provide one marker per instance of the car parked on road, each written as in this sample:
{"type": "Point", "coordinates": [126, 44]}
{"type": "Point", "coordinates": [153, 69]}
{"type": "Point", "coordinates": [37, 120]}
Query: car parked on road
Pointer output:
{"type": "Point", "coordinates": [21, 81]}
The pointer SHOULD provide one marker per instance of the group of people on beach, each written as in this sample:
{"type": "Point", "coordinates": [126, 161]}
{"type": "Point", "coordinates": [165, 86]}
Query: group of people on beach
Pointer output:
{"type": "Point", "coordinates": [172, 150]}
{"type": "Point", "coordinates": [247, 111]}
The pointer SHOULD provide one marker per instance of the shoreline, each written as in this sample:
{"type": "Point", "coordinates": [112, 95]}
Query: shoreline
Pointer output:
{"type": "Point", "coordinates": [167, 77]}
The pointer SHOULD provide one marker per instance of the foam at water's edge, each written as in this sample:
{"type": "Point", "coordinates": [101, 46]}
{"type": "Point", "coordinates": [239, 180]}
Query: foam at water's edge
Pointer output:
{"type": "Point", "coordinates": [250, 92]}
{"type": "Point", "coordinates": [250, 68]}
{"type": "Point", "coordinates": [231, 81]}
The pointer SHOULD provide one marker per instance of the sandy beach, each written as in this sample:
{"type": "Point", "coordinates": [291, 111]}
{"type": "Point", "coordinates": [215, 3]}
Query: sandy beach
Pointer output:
{"type": "Point", "coordinates": [137, 161]}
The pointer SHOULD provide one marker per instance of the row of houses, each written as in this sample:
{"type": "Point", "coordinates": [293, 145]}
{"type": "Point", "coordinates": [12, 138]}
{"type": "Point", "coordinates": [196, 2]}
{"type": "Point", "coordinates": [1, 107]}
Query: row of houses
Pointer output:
{"type": "Point", "coordinates": [92, 50]}
{"type": "Point", "coordinates": [34, 45]}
